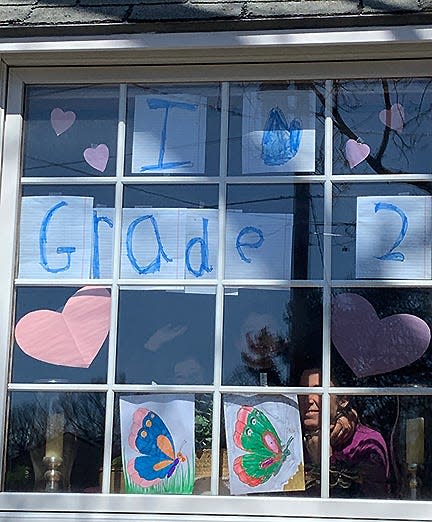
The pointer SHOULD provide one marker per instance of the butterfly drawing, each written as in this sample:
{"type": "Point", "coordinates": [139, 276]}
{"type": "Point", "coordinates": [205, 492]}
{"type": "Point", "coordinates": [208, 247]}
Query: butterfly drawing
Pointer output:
{"type": "Point", "coordinates": [255, 434]}
{"type": "Point", "coordinates": [150, 437]}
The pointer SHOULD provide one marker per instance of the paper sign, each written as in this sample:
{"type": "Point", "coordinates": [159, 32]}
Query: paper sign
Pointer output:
{"type": "Point", "coordinates": [370, 345]}
{"type": "Point", "coordinates": [103, 244]}
{"type": "Point", "coordinates": [158, 443]}
{"type": "Point", "coordinates": [46, 251]}
{"type": "Point", "coordinates": [278, 131]}
{"type": "Point", "coordinates": [258, 246]}
{"type": "Point", "coordinates": [169, 134]}
{"type": "Point", "coordinates": [153, 243]}
{"type": "Point", "coordinates": [264, 443]}
{"type": "Point", "coordinates": [201, 245]}
{"type": "Point", "coordinates": [393, 239]}
{"type": "Point", "coordinates": [72, 337]}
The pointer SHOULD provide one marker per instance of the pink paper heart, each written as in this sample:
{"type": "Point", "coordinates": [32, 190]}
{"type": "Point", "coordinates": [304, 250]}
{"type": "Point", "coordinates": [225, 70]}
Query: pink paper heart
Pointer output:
{"type": "Point", "coordinates": [356, 152]}
{"type": "Point", "coordinates": [72, 337]}
{"type": "Point", "coordinates": [61, 121]}
{"type": "Point", "coordinates": [372, 346]}
{"type": "Point", "coordinates": [393, 117]}
{"type": "Point", "coordinates": [97, 157]}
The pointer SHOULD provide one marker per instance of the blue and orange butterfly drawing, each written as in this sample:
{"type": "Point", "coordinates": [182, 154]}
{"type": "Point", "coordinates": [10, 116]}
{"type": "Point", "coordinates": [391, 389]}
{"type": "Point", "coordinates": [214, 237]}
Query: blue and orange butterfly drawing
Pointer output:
{"type": "Point", "coordinates": [255, 434]}
{"type": "Point", "coordinates": [150, 437]}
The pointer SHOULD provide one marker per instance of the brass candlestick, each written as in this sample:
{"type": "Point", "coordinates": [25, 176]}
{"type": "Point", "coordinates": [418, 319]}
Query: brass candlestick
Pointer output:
{"type": "Point", "coordinates": [53, 475]}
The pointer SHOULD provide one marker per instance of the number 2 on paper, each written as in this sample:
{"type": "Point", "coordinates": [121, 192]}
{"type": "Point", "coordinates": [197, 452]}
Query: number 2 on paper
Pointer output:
{"type": "Point", "coordinates": [390, 255]}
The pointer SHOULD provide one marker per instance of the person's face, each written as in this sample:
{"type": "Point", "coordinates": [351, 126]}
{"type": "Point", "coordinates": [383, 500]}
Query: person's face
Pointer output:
{"type": "Point", "coordinates": [310, 405]}
{"type": "Point", "coordinates": [188, 372]}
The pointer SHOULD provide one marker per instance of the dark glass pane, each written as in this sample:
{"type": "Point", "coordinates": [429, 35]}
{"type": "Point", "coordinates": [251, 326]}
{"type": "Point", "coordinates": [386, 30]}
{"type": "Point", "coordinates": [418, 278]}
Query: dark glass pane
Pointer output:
{"type": "Point", "coordinates": [276, 128]}
{"type": "Point", "coordinates": [55, 338]}
{"type": "Point", "coordinates": [70, 131]}
{"type": "Point", "coordinates": [165, 336]}
{"type": "Point", "coordinates": [382, 231]}
{"type": "Point", "coordinates": [265, 339]}
{"type": "Point", "coordinates": [379, 446]}
{"type": "Point", "coordinates": [381, 336]}
{"type": "Point", "coordinates": [55, 442]}
{"type": "Point", "coordinates": [274, 231]}
{"type": "Point", "coordinates": [382, 126]}
{"type": "Point", "coordinates": [173, 130]}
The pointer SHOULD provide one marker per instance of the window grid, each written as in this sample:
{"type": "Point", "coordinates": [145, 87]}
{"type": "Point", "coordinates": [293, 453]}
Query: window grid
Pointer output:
{"type": "Point", "coordinates": [327, 285]}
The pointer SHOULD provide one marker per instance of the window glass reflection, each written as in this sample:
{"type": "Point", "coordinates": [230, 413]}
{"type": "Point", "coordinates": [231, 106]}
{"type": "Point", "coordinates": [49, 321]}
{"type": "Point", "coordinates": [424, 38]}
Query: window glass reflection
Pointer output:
{"type": "Point", "coordinates": [274, 231]}
{"type": "Point", "coordinates": [265, 342]}
{"type": "Point", "coordinates": [381, 336]}
{"type": "Point", "coordinates": [165, 337]}
{"type": "Point", "coordinates": [381, 231]}
{"type": "Point", "coordinates": [45, 350]}
{"type": "Point", "coordinates": [276, 128]}
{"type": "Point", "coordinates": [55, 442]}
{"type": "Point", "coordinates": [70, 131]}
{"type": "Point", "coordinates": [382, 126]}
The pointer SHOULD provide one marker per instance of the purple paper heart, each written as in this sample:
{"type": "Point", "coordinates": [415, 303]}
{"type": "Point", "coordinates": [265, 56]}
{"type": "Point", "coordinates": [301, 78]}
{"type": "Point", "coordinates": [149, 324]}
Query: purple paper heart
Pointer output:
{"type": "Point", "coordinates": [372, 346]}
{"type": "Point", "coordinates": [97, 157]}
{"type": "Point", "coordinates": [61, 121]}
{"type": "Point", "coordinates": [356, 152]}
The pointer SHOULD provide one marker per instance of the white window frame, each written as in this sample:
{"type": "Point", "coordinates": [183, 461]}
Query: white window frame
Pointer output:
{"type": "Point", "coordinates": [196, 505]}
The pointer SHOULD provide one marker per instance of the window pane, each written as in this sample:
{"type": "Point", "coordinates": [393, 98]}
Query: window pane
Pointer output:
{"type": "Point", "coordinates": [276, 128]}
{"type": "Point", "coordinates": [165, 336]}
{"type": "Point", "coordinates": [55, 442]}
{"type": "Point", "coordinates": [120, 481]}
{"type": "Point", "coordinates": [265, 339]}
{"type": "Point", "coordinates": [382, 231]}
{"type": "Point", "coordinates": [173, 129]}
{"type": "Point", "coordinates": [85, 251]}
{"type": "Point", "coordinates": [70, 131]}
{"type": "Point", "coordinates": [61, 335]}
{"type": "Point", "coordinates": [274, 232]}
{"type": "Point", "coordinates": [161, 239]}
{"type": "Point", "coordinates": [379, 446]}
{"type": "Point", "coordinates": [382, 126]}
{"type": "Point", "coordinates": [381, 336]}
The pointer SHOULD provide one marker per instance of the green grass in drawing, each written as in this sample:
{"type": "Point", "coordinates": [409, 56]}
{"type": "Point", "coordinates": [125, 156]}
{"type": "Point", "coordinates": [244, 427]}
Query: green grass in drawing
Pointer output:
{"type": "Point", "coordinates": [180, 483]}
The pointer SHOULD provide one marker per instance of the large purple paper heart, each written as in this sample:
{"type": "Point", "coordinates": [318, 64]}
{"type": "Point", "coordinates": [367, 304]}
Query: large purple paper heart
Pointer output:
{"type": "Point", "coordinates": [372, 346]}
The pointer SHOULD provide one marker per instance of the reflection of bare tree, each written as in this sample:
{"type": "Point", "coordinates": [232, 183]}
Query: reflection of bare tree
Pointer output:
{"type": "Point", "coordinates": [83, 436]}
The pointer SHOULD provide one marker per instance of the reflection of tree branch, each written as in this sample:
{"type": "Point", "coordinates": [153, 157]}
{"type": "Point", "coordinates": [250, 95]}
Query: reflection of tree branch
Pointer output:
{"type": "Point", "coordinates": [386, 134]}
{"type": "Point", "coordinates": [374, 162]}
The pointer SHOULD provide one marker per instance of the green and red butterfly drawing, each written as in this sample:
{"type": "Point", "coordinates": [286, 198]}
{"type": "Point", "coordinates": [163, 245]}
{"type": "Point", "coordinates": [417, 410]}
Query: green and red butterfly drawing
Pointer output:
{"type": "Point", "coordinates": [255, 434]}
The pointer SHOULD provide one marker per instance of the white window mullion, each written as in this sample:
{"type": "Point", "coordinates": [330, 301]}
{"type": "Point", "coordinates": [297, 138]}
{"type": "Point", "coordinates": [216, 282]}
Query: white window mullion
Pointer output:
{"type": "Point", "coordinates": [217, 398]}
{"type": "Point", "coordinates": [111, 372]}
{"type": "Point", "coordinates": [328, 169]}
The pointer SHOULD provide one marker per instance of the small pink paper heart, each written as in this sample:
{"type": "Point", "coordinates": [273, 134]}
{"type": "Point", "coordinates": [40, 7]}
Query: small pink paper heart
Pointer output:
{"type": "Point", "coordinates": [61, 121]}
{"type": "Point", "coordinates": [97, 157]}
{"type": "Point", "coordinates": [393, 117]}
{"type": "Point", "coordinates": [356, 152]}
{"type": "Point", "coordinates": [370, 345]}
{"type": "Point", "coordinates": [72, 337]}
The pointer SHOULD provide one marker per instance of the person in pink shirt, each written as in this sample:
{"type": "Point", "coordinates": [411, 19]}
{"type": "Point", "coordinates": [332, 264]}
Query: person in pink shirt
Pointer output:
{"type": "Point", "coordinates": [359, 462]}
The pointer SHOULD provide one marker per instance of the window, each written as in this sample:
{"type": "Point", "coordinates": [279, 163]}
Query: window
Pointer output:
{"type": "Point", "coordinates": [199, 262]}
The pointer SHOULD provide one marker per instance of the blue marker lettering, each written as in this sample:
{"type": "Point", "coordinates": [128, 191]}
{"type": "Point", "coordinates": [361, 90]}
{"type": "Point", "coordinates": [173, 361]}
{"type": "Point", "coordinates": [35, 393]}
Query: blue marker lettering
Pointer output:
{"type": "Point", "coordinates": [203, 242]}
{"type": "Point", "coordinates": [154, 266]}
{"type": "Point", "coordinates": [157, 103]}
{"type": "Point", "coordinates": [390, 255]}
{"type": "Point", "coordinates": [96, 257]}
{"type": "Point", "coordinates": [43, 260]}
{"type": "Point", "coordinates": [239, 244]}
